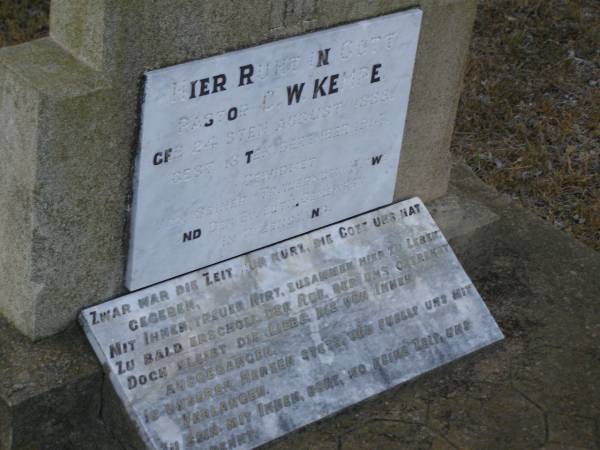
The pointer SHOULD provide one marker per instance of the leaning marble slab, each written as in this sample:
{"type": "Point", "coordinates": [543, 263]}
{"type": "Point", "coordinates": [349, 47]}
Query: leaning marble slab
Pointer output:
{"type": "Point", "coordinates": [245, 351]}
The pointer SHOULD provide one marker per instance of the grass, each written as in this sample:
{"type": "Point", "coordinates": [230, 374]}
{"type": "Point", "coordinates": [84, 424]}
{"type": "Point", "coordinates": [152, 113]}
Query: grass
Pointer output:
{"type": "Point", "coordinates": [529, 117]}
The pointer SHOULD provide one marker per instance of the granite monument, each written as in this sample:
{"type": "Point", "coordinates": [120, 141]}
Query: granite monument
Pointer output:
{"type": "Point", "coordinates": [139, 146]}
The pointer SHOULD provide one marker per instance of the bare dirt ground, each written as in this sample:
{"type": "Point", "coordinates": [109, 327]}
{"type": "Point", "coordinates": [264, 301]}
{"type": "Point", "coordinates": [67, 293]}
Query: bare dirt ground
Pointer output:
{"type": "Point", "coordinates": [529, 118]}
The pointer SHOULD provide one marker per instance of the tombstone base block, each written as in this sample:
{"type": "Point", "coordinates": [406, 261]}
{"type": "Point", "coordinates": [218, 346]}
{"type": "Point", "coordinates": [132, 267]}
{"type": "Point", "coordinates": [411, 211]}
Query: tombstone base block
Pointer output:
{"type": "Point", "coordinates": [62, 166]}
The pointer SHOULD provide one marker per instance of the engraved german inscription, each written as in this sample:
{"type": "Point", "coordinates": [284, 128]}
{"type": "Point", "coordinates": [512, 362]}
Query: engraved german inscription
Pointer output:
{"type": "Point", "coordinates": [242, 352]}
{"type": "Point", "coordinates": [252, 147]}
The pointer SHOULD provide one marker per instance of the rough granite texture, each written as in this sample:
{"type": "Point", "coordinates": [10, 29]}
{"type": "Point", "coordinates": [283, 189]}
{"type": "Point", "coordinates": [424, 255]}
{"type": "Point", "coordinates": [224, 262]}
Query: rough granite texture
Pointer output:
{"type": "Point", "coordinates": [70, 103]}
{"type": "Point", "coordinates": [63, 188]}
{"type": "Point", "coordinates": [538, 389]}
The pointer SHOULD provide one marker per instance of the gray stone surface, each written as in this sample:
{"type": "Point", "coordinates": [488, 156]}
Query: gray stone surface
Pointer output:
{"type": "Point", "coordinates": [537, 390]}
{"type": "Point", "coordinates": [71, 103]}
{"type": "Point", "coordinates": [62, 187]}
{"type": "Point", "coordinates": [47, 389]}
{"type": "Point", "coordinates": [291, 333]}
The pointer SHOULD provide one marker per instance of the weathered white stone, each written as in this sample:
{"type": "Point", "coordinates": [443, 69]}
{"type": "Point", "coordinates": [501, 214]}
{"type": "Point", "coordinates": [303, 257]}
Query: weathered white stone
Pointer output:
{"type": "Point", "coordinates": [251, 147]}
{"type": "Point", "coordinates": [255, 347]}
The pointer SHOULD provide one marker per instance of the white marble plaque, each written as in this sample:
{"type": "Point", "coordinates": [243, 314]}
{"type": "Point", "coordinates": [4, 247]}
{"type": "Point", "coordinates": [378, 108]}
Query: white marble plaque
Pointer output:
{"type": "Point", "coordinates": [248, 148]}
{"type": "Point", "coordinates": [245, 351]}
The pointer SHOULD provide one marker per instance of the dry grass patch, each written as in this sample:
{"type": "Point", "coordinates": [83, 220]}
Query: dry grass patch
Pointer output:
{"type": "Point", "coordinates": [529, 118]}
{"type": "Point", "coordinates": [23, 20]}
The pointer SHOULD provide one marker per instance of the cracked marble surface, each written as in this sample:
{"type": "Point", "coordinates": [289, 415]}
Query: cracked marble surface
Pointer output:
{"type": "Point", "coordinates": [357, 308]}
